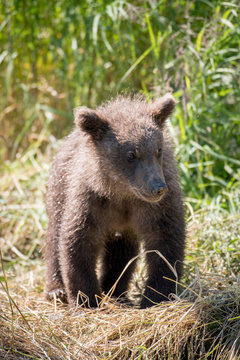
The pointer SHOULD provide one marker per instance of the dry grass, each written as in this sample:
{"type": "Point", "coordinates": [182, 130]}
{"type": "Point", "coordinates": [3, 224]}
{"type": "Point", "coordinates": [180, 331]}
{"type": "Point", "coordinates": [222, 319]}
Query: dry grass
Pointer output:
{"type": "Point", "coordinates": [203, 323]}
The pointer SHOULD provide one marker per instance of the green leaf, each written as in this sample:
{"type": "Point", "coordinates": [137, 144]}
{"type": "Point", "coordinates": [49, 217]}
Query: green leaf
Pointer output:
{"type": "Point", "coordinates": [227, 23]}
{"type": "Point", "coordinates": [199, 40]}
{"type": "Point", "coordinates": [95, 28]}
{"type": "Point", "coordinates": [137, 62]}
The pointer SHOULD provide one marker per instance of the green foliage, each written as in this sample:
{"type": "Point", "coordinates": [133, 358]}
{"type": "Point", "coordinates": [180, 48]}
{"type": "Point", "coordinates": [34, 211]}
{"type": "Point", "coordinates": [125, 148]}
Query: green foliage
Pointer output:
{"type": "Point", "coordinates": [58, 54]}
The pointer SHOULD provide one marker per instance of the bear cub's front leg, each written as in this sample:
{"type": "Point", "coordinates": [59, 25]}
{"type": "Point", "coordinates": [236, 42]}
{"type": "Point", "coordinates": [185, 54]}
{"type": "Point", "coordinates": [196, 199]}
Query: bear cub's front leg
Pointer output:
{"type": "Point", "coordinates": [78, 253]}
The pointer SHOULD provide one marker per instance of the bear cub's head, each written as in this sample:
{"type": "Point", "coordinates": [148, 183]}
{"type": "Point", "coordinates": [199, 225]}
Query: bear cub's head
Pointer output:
{"type": "Point", "coordinates": [128, 139]}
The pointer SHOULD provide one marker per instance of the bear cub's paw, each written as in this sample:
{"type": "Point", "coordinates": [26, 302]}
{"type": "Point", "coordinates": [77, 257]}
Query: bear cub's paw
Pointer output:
{"type": "Point", "coordinates": [58, 294]}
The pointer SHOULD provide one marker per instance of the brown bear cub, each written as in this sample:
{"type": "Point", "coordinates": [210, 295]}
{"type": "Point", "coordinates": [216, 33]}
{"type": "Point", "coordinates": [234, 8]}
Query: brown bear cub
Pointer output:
{"type": "Point", "coordinates": [113, 184]}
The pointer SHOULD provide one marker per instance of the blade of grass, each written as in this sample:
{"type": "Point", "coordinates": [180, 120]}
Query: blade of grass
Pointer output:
{"type": "Point", "coordinates": [137, 62]}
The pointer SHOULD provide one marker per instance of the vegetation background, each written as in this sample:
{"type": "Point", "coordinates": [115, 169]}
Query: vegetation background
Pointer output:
{"type": "Point", "coordinates": [56, 55]}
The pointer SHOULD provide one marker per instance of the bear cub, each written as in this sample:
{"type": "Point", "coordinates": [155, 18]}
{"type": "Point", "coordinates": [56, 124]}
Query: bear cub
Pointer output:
{"type": "Point", "coordinates": [113, 185]}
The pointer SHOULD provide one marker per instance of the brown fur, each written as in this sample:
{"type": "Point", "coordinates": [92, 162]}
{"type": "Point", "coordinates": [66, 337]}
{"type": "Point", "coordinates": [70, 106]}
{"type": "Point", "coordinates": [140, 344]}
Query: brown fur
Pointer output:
{"type": "Point", "coordinates": [112, 185]}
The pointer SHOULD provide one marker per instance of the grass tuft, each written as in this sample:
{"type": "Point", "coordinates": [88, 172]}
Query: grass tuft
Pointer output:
{"type": "Point", "coordinates": [202, 323]}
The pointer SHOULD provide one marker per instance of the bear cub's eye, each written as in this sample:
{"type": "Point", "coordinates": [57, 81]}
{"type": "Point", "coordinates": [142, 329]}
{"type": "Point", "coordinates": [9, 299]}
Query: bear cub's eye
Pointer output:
{"type": "Point", "coordinates": [131, 156]}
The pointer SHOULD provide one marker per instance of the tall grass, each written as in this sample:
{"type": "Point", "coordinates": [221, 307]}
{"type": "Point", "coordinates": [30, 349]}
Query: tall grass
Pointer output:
{"type": "Point", "coordinates": [57, 55]}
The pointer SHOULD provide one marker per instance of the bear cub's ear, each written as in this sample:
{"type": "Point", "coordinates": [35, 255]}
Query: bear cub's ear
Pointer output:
{"type": "Point", "coordinates": [90, 122]}
{"type": "Point", "coordinates": [162, 108]}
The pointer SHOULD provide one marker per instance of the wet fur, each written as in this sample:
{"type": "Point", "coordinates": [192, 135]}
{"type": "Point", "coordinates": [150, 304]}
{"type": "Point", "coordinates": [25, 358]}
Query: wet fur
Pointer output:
{"type": "Point", "coordinates": [93, 194]}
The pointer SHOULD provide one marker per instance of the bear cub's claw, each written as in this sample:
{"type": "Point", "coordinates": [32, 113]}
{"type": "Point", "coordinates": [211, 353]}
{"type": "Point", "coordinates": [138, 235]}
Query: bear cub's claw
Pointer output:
{"type": "Point", "coordinates": [58, 294]}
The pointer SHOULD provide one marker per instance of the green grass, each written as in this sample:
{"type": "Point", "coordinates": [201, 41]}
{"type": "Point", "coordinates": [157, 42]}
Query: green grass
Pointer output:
{"type": "Point", "coordinates": [62, 55]}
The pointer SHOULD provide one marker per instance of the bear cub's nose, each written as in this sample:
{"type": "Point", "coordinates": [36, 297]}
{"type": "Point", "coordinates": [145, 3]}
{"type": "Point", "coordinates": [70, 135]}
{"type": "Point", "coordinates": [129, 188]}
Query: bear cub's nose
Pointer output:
{"type": "Point", "coordinates": [158, 188]}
